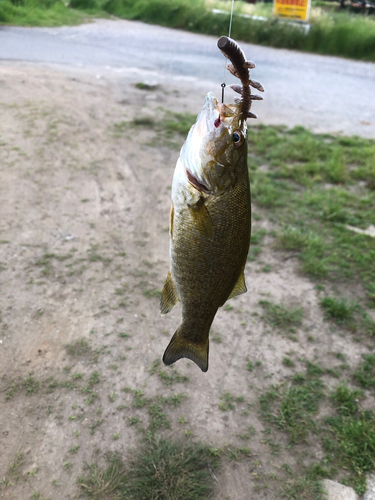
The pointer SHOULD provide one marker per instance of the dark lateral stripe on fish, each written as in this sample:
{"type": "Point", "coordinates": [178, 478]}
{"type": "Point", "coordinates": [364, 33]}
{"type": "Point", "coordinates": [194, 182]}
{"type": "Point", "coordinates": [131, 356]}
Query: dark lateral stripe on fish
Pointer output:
{"type": "Point", "coordinates": [198, 185]}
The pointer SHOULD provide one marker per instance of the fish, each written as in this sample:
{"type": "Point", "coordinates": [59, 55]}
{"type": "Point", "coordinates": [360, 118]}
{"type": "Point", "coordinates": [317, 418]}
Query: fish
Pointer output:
{"type": "Point", "coordinates": [210, 215]}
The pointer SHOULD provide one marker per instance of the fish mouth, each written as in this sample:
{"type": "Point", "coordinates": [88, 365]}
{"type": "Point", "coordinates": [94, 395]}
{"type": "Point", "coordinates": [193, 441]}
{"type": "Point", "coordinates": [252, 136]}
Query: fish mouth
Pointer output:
{"type": "Point", "coordinates": [209, 115]}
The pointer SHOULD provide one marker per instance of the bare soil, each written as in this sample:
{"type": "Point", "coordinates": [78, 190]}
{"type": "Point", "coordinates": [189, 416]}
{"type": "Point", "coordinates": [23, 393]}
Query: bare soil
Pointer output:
{"type": "Point", "coordinates": [83, 254]}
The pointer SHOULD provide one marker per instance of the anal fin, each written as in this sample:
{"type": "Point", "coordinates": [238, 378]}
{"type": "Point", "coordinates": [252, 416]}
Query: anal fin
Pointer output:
{"type": "Point", "coordinates": [169, 295]}
{"type": "Point", "coordinates": [240, 286]}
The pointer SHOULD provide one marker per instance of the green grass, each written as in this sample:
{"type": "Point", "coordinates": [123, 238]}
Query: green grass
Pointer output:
{"type": "Point", "coordinates": [291, 408]}
{"type": "Point", "coordinates": [364, 375]}
{"type": "Point", "coordinates": [42, 13]}
{"type": "Point", "coordinates": [352, 445]}
{"type": "Point", "coordinates": [79, 348]}
{"type": "Point", "coordinates": [313, 217]}
{"type": "Point", "coordinates": [159, 469]}
{"type": "Point", "coordinates": [346, 399]}
{"type": "Point", "coordinates": [281, 316]}
{"type": "Point", "coordinates": [339, 310]}
{"type": "Point", "coordinates": [347, 436]}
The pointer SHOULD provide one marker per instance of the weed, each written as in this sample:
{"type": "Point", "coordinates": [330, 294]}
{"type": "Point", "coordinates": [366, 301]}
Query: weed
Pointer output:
{"type": "Point", "coordinates": [153, 292]}
{"type": "Point", "coordinates": [281, 316]}
{"type": "Point", "coordinates": [172, 377]}
{"type": "Point", "coordinates": [96, 424]}
{"type": "Point", "coordinates": [12, 390]}
{"type": "Point", "coordinates": [250, 366]}
{"type": "Point", "coordinates": [145, 86]}
{"type": "Point", "coordinates": [365, 373]}
{"type": "Point", "coordinates": [124, 335]}
{"type": "Point", "coordinates": [226, 402]}
{"type": "Point", "coordinates": [30, 384]}
{"type": "Point", "coordinates": [79, 348]}
{"type": "Point", "coordinates": [174, 400]}
{"type": "Point", "coordinates": [291, 407]}
{"type": "Point", "coordinates": [160, 469]}
{"type": "Point", "coordinates": [353, 445]}
{"type": "Point", "coordinates": [14, 467]}
{"type": "Point", "coordinates": [301, 488]}
{"type": "Point", "coordinates": [106, 483]}
{"type": "Point", "coordinates": [139, 401]}
{"type": "Point", "coordinates": [288, 362]}
{"type": "Point", "coordinates": [158, 418]}
{"type": "Point", "coordinates": [345, 399]}
{"type": "Point", "coordinates": [338, 309]}
{"type": "Point", "coordinates": [133, 420]}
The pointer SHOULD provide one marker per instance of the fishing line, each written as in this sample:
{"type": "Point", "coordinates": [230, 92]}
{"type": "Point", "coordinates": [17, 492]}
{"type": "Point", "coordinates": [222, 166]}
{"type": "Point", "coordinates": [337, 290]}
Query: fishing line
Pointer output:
{"type": "Point", "coordinates": [223, 85]}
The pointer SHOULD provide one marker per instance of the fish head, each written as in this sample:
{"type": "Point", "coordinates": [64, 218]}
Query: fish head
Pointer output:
{"type": "Point", "coordinates": [216, 146]}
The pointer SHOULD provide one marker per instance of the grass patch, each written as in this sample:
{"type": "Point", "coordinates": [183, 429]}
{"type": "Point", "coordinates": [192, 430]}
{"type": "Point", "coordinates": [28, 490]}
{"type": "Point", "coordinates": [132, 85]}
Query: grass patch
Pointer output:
{"type": "Point", "coordinates": [346, 400]}
{"type": "Point", "coordinates": [79, 348]}
{"type": "Point", "coordinates": [314, 217]}
{"type": "Point", "coordinates": [352, 445]}
{"type": "Point", "coordinates": [365, 373]}
{"type": "Point", "coordinates": [291, 408]}
{"type": "Point", "coordinates": [159, 469]}
{"type": "Point", "coordinates": [347, 436]}
{"type": "Point", "coordinates": [281, 316]}
{"type": "Point", "coordinates": [339, 310]}
{"type": "Point", "coordinates": [41, 13]}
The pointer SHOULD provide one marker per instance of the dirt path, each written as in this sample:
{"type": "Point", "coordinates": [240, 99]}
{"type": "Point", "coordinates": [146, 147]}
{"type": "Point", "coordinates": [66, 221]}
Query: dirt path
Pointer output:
{"type": "Point", "coordinates": [84, 250]}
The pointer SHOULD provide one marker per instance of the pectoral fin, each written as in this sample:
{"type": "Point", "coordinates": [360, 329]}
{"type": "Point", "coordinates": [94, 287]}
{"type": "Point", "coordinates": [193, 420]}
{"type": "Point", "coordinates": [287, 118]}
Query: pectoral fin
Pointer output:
{"type": "Point", "coordinates": [202, 218]}
{"type": "Point", "coordinates": [171, 220]}
{"type": "Point", "coordinates": [239, 287]}
{"type": "Point", "coordinates": [169, 295]}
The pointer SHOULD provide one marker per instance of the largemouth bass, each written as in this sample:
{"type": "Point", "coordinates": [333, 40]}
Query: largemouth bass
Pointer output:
{"type": "Point", "coordinates": [210, 217]}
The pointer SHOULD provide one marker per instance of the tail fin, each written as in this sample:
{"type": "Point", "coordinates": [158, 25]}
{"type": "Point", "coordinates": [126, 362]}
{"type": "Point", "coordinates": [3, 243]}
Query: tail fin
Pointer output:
{"type": "Point", "coordinates": [179, 347]}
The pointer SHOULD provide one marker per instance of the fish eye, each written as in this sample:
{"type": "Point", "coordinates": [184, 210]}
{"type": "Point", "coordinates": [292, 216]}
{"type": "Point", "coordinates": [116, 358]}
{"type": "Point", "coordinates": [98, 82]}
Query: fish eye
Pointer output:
{"type": "Point", "coordinates": [237, 138]}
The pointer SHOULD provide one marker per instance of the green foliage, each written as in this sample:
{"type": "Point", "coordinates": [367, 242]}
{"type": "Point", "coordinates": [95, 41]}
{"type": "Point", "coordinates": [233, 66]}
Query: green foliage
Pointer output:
{"type": "Point", "coordinates": [290, 408]}
{"type": "Point", "coordinates": [345, 399]}
{"type": "Point", "coordinates": [83, 4]}
{"type": "Point", "coordinates": [159, 469]}
{"type": "Point", "coordinates": [353, 443]}
{"type": "Point", "coordinates": [79, 348]}
{"type": "Point", "coordinates": [365, 373]}
{"type": "Point", "coordinates": [338, 309]}
{"type": "Point", "coordinates": [313, 217]}
{"type": "Point", "coordinates": [281, 316]}
{"type": "Point", "coordinates": [38, 13]}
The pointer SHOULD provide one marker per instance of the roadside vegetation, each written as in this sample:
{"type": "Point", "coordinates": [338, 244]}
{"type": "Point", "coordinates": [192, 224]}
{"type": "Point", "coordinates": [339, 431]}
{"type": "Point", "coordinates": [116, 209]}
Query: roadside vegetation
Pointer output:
{"type": "Point", "coordinates": [332, 31]}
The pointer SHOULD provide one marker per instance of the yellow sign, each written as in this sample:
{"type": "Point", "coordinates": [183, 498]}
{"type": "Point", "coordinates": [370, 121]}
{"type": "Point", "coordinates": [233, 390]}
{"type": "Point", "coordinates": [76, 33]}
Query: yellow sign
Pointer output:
{"type": "Point", "coordinates": [292, 9]}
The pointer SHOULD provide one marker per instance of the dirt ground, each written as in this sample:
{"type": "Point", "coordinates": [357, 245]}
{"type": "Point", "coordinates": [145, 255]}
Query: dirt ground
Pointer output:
{"type": "Point", "coordinates": [84, 250]}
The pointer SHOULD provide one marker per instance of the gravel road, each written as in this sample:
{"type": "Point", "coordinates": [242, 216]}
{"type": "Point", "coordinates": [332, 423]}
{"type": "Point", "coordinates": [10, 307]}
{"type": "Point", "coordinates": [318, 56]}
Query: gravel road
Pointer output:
{"type": "Point", "coordinates": [326, 94]}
